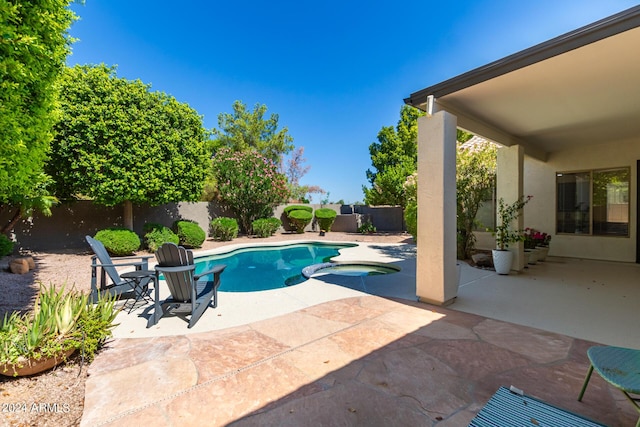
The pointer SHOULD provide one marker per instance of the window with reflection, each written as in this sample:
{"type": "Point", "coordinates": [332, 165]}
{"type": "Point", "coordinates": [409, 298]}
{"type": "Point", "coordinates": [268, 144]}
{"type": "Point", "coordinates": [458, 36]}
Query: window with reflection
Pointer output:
{"type": "Point", "coordinates": [593, 202]}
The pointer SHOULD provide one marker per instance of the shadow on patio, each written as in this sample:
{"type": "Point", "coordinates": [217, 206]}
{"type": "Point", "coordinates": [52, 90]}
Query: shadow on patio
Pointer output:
{"type": "Point", "coordinates": [357, 361]}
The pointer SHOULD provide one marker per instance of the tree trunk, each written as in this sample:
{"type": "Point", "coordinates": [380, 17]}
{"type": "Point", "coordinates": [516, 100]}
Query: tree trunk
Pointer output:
{"type": "Point", "coordinates": [128, 215]}
{"type": "Point", "coordinates": [14, 220]}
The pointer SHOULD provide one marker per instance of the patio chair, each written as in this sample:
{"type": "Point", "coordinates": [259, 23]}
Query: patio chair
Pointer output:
{"type": "Point", "coordinates": [618, 366]}
{"type": "Point", "coordinates": [512, 408]}
{"type": "Point", "coordinates": [189, 294]}
{"type": "Point", "coordinates": [135, 283]}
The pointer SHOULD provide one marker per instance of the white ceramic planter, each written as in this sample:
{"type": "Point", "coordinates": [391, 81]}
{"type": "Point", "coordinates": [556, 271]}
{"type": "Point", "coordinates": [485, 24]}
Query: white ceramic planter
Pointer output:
{"type": "Point", "coordinates": [502, 261]}
{"type": "Point", "coordinates": [544, 251]}
{"type": "Point", "coordinates": [532, 256]}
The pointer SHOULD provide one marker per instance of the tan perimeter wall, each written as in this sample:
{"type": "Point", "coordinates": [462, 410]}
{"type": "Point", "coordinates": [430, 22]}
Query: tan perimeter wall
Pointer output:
{"type": "Point", "coordinates": [71, 222]}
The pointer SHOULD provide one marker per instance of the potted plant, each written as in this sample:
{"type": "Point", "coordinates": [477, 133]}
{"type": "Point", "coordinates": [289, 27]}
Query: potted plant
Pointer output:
{"type": "Point", "coordinates": [61, 323]}
{"type": "Point", "coordinates": [505, 234]}
{"type": "Point", "coordinates": [542, 244]}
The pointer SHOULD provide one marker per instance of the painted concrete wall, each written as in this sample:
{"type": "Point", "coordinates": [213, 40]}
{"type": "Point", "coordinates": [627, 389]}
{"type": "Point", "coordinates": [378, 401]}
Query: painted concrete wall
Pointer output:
{"type": "Point", "coordinates": [70, 223]}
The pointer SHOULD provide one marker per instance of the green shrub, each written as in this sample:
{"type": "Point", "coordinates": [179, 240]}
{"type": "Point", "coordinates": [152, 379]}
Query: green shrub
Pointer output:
{"type": "Point", "coordinates": [265, 227]}
{"type": "Point", "coordinates": [157, 234]}
{"type": "Point", "coordinates": [224, 228]}
{"type": "Point", "coordinates": [61, 322]}
{"type": "Point", "coordinates": [325, 218]}
{"type": "Point", "coordinates": [297, 208]}
{"type": "Point", "coordinates": [190, 234]}
{"type": "Point", "coordinates": [300, 219]}
{"type": "Point", "coordinates": [6, 245]}
{"type": "Point", "coordinates": [119, 241]}
{"type": "Point", "coordinates": [411, 219]}
{"type": "Point", "coordinates": [367, 227]}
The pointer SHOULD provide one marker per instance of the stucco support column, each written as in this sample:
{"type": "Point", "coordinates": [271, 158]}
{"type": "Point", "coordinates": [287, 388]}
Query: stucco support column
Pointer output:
{"type": "Point", "coordinates": [436, 274]}
{"type": "Point", "coordinates": [509, 186]}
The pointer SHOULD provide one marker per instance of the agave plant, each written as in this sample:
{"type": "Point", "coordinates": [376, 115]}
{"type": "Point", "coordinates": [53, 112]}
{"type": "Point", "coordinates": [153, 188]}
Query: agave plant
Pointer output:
{"type": "Point", "coordinates": [60, 323]}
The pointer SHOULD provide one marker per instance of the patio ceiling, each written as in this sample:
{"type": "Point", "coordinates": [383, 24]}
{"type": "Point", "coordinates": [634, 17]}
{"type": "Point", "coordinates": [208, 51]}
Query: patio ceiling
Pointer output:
{"type": "Point", "coordinates": [578, 89]}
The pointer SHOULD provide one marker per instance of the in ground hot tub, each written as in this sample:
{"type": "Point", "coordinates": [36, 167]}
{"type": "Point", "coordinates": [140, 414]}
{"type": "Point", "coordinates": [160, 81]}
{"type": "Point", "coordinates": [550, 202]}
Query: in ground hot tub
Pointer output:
{"type": "Point", "coordinates": [349, 269]}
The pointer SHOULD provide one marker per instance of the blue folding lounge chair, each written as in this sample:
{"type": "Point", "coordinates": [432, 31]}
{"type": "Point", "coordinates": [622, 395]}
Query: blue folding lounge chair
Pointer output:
{"type": "Point", "coordinates": [119, 284]}
{"type": "Point", "coordinates": [189, 293]}
{"type": "Point", "coordinates": [508, 408]}
{"type": "Point", "coordinates": [618, 366]}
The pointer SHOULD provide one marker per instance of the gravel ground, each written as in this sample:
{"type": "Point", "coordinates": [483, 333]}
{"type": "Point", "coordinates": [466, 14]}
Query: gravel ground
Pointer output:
{"type": "Point", "coordinates": [56, 398]}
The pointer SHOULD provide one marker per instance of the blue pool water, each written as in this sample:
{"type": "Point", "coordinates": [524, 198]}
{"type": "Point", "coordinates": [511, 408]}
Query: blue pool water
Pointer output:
{"type": "Point", "coordinates": [267, 267]}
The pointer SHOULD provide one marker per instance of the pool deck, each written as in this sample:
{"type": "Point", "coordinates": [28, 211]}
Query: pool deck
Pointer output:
{"type": "Point", "coordinates": [326, 352]}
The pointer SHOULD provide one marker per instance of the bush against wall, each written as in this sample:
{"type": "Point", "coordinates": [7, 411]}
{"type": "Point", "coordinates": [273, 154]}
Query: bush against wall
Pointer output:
{"type": "Point", "coordinates": [325, 218]}
{"type": "Point", "coordinates": [224, 229]}
{"type": "Point", "coordinates": [155, 235]}
{"type": "Point", "coordinates": [266, 227]}
{"type": "Point", "coordinates": [300, 219]}
{"type": "Point", "coordinates": [249, 185]}
{"type": "Point", "coordinates": [119, 241]}
{"type": "Point", "coordinates": [190, 234]}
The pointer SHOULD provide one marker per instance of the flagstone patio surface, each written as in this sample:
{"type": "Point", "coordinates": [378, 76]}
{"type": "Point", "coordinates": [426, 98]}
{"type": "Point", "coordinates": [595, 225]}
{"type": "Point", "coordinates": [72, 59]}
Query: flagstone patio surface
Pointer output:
{"type": "Point", "coordinates": [362, 360]}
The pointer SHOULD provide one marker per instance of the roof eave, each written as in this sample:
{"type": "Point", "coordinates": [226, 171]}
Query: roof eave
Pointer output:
{"type": "Point", "coordinates": [607, 27]}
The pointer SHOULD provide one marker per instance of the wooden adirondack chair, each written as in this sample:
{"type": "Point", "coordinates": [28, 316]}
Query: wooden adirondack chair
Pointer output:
{"type": "Point", "coordinates": [119, 283]}
{"type": "Point", "coordinates": [189, 293]}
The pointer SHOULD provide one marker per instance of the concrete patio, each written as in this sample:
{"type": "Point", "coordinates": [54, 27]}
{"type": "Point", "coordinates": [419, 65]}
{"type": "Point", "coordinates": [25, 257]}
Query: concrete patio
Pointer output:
{"type": "Point", "coordinates": [336, 355]}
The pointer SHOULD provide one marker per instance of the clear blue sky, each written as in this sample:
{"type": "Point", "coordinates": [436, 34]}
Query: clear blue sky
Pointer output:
{"type": "Point", "coordinates": [335, 72]}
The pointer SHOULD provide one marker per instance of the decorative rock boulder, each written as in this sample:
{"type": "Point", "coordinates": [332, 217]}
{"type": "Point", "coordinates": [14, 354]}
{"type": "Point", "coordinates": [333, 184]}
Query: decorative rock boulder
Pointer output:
{"type": "Point", "coordinates": [481, 260]}
{"type": "Point", "coordinates": [22, 265]}
{"type": "Point", "coordinates": [19, 266]}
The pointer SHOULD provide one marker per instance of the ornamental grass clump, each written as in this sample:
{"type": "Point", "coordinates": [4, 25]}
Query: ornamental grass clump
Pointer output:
{"type": "Point", "coordinates": [190, 234]}
{"type": "Point", "coordinates": [61, 323]}
{"type": "Point", "coordinates": [224, 229]}
{"type": "Point", "coordinates": [325, 218]}
{"type": "Point", "coordinates": [119, 241]}
{"type": "Point", "coordinates": [265, 227]}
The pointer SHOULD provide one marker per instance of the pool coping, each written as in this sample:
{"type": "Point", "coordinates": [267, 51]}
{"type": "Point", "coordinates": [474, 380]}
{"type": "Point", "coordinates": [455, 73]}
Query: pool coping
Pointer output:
{"type": "Point", "coordinates": [237, 309]}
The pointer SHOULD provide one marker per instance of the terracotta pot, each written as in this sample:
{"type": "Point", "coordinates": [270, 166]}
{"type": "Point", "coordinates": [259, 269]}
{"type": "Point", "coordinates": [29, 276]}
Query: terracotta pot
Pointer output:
{"type": "Point", "coordinates": [32, 367]}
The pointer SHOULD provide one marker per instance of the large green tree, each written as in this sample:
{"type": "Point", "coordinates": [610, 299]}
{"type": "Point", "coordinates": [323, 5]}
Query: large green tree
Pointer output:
{"type": "Point", "coordinates": [245, 130]}
{"type": "Point", "coordinates": [34, 44]}
{"type": "Point", "coordinates": [394, 158]}
{"type": "Point", "coordinates": [475, 183]}
{"type": "Point", "coordinates": [118, 142]}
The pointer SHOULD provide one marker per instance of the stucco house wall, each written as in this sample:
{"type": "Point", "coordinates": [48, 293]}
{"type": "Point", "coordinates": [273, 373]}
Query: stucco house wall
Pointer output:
{"type": "Point", "coordinates": [540, 213]}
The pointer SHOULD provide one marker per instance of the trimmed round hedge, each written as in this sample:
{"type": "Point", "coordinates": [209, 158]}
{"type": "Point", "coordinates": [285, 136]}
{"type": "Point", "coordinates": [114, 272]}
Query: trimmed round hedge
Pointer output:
{"type": "Point", "coordinates": [157, 234]}
{"type": "Point", "coordinates": [190, 234]}
{"type": "Point", "coordinates": [297, 208]}
{"type": "Point", "coordinates": [119, 241]}
{"type": "Point", "coordinates": [325, 218]}
{"type": "Point", "coordinates": [300, 219]}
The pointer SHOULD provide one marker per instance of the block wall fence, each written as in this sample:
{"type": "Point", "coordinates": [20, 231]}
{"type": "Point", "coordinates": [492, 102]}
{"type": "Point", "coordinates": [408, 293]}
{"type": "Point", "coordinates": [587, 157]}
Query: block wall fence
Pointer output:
{"type": "Point", "coordinates": [71, 222]}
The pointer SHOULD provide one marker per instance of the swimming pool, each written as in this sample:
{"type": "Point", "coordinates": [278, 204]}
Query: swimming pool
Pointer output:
{"type": "Point", "coordinates": [268, 267]}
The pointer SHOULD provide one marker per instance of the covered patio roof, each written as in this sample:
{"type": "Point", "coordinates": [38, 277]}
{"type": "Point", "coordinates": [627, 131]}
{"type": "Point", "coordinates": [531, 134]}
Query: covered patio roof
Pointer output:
{"type": "Point", "coordinates": [577, 89]}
